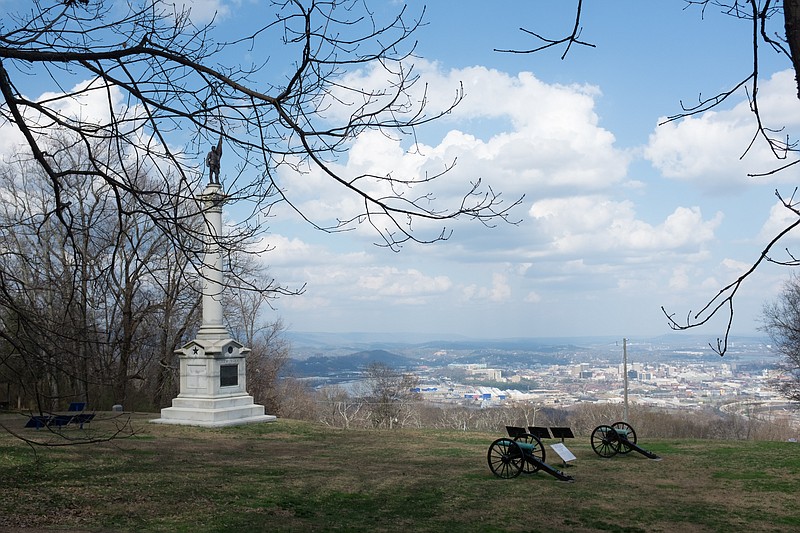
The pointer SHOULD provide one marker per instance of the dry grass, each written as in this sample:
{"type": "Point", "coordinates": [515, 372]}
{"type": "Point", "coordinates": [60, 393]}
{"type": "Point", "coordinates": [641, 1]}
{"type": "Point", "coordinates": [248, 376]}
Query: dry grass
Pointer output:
{"type": "Point", "coordinates": [297, 476]}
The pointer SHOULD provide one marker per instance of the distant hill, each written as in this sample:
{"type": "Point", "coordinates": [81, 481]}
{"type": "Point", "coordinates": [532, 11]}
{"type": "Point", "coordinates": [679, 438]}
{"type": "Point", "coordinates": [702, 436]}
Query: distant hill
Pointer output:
{"type": "Point", "coordinates": [337, 365]}
{"type": "Point", "coordinates": [307, 344]}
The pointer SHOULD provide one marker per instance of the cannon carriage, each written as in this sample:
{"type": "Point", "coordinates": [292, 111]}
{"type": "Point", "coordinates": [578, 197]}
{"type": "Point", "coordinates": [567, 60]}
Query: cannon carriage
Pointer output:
{"type": "Point", "coordinates": [520, 453]}
{"type": "Point", "coordinates": [618, 438]}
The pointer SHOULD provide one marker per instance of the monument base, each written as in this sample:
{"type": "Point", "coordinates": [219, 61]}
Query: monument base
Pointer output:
{"type": "Point", "coordinates": [214, 412]}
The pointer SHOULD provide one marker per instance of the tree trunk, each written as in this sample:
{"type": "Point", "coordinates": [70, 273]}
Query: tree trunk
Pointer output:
{"type": "Point", "coordinates": [791, 14]}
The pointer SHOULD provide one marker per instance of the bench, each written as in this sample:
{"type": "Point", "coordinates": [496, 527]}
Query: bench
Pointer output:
{"type": "Point", "coordinates": [38, 421]}
{"type": "Point", "coordinates": [83, 418]}
{"type": "Point", "coordinates": [59, 421]}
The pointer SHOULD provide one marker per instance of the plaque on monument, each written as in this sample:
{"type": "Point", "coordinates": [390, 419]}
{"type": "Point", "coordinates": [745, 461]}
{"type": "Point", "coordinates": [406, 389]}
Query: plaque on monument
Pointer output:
{"type": "Point", "coordinates": [228, 375]}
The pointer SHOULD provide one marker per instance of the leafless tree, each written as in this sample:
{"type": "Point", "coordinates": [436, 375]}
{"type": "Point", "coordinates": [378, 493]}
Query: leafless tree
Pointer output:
{"type": "Point", "coordinates": [337, 408]}
{"type": "Point", "coordinates": [388, 395]}
{"type": "Point", "coordinates": [269, 353]}
{"type": "Point", "coordinates": [781, 320]}
{"type": "Point", "coordinates": [86, 314]}
{"type": "Point", "coordinates": [296, 400]}
{"type": "Point", "coordinates": [775, 27]}
{"type": "Point", "coordinates": [245, 318]}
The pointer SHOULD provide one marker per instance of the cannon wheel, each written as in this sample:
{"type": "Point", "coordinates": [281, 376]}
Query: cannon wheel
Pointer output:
{"type": "Point", "coordinates": [505, 458]}
{"type": "Point", "coordinates": [630, 434]}
{"type": "Point", "coordinates": [538, 451]}
{"type": "Point", "coordinates": [604, 441]}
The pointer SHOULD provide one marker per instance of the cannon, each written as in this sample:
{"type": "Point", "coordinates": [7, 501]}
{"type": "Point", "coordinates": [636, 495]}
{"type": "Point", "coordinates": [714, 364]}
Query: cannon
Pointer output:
{"type": "Point", "coordinates": [520, 453]}
{"type": "Point", "coordinates": [619, 437]}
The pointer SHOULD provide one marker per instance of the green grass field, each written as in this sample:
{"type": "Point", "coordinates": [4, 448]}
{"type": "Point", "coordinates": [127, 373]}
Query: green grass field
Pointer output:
{"type": "Point", "coordinates": [298, 476]}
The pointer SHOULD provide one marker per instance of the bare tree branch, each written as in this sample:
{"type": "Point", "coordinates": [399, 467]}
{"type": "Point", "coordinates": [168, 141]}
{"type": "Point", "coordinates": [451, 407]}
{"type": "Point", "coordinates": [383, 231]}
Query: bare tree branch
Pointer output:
{"type": "Point", "coordinates": [572, 38]}
{"type": "Point", "coordinates": [724, 298]}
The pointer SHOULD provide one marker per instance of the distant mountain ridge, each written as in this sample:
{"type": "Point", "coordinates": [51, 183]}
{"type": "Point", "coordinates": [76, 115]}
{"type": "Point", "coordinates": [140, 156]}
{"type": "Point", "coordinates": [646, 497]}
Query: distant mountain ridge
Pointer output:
{"type": "Point", "coordinates": [369, 340]}
{"type": "Point", "coordinates": [320, 365]}
{"type": "Point", "coordinates": [322, 343]}
{"type": "Point", "coordinates": [315, 353]}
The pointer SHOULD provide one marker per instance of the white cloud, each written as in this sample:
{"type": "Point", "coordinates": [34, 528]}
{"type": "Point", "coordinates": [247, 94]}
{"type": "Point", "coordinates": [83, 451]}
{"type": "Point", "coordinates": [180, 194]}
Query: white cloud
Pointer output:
{"type": "Point", "coordinates": [679, 279]}
{"type": "Point", "coordinates": [732, 267]}
{"type": "Point", "coordinates": [780, 218]}
{"type": "Point", "coordinates": [594, 244]}
{"type": "Point", "coordinates": [588, 224]}
{"type": "Point", "coordinates": [533, 297]}
{"type": "Point", "coordinates": [709, 149]}
{"type": "Point", "coordinates": [546, 141]}
{"type": "Point", "coordinates": [89, 101]}
{"type": "Point", "coordinates": [203, 11]}
{"type": "Point", "coordinates": [356, 276]}
{"type": "Point", "coordinates": [498, 291]}
{"type": "Point", "coordinates": [406, 286]}
{"type": "Point", "coordinates": [551, 140]}
{"type": "Point", "coordinates": [293, 252]}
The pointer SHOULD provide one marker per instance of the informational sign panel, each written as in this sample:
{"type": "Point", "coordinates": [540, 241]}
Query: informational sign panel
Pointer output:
{"type": "Point", "coordinates": [563, 452]}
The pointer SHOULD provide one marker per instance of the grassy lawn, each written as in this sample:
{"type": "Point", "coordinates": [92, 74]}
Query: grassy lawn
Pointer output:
{"type": "Point", "coordinates": [298, 476]}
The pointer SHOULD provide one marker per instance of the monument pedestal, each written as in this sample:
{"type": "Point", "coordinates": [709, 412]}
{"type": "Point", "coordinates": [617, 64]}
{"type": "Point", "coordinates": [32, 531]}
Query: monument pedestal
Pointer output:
{"type": "Point", "coordinates": [213, 387]}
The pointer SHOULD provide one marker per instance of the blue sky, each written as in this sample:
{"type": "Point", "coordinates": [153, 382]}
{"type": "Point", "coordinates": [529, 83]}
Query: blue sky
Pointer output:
{"type": "Point", "coordinates": [620, 215]}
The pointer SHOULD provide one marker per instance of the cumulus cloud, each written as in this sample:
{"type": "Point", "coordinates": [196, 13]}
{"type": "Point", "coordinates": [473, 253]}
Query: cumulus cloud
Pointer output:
{"type": "Point", "coordinates": [533, 297]}
{"type": "Point", "coordinates": [89, 102]}
{"type": "Point", "coordinates": [582, 235]}
{"type": "Point", "coordinates": [709, 149]}
{"type": "Point", "coordinates": [589, 232]}
{"type": "Point", "coordinates": [407, 286]}
{"type": "Point", "coordinates": [553, 139]}
{"type": "Point", "coordinates": [780, 217]}
{"type": "Point", "coordinates": [293, 252]}
{"type": "Point", "coordinates": [545, 140]}
{"type": "Point", "coordinates": [354, 275]}
{"type": "Point", "coordinates": [587, 224]}
{"type": "Point", "coordinates": [679, 279]}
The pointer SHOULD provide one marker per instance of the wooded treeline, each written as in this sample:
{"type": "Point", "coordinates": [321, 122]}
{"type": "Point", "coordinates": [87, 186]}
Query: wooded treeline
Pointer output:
{"type": "Point", "coordinates": [349, 412]}
{"type": "Point", "coordinates": [92, 308]}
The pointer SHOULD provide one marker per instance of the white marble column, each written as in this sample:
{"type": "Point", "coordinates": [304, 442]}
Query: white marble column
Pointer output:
{"type": "Point", "coordinates": [213, 327]}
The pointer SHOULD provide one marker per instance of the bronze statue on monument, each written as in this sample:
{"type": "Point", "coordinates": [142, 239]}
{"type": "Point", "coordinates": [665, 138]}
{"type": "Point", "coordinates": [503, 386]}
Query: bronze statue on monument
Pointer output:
{"type": "Point", "coordinates": [212, 162]}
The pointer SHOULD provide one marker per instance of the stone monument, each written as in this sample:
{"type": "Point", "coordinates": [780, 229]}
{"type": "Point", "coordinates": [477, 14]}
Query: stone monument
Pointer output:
{"type": "Point", "coordinates": [213, 366]}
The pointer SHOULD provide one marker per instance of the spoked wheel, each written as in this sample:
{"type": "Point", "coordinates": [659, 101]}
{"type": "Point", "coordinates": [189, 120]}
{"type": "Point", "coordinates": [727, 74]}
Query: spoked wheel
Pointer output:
{"type": "Point", "coordinates": [505, 458]}
{"type": "Point", "coordinates": [604, 441]}
{"type": "Point", "coordinates": [630, 434]}
{"type": "Point", "coordinates": [536, 451]}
